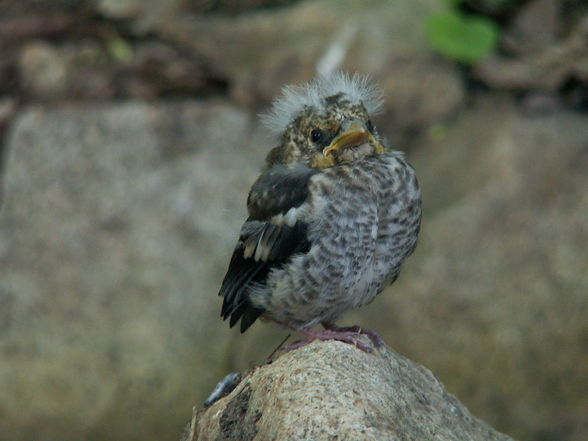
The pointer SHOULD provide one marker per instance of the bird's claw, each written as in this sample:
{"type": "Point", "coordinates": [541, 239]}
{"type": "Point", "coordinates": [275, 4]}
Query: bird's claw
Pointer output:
{"type": "Point", "coordinates": [345, 336]}
{"type": "Point", "coordinates": [375, 338]}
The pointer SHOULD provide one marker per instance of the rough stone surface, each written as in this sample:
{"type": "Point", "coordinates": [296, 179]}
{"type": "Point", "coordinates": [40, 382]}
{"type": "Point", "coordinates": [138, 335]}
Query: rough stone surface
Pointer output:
{"type": "Point", "coordinates": [113, 242]}
{"type": "Point", "coordinates": [494, 298]}
{"type": "Point", "coordinates": [42, 70]}
{"type": "Point", "coordinates": [334, 391]}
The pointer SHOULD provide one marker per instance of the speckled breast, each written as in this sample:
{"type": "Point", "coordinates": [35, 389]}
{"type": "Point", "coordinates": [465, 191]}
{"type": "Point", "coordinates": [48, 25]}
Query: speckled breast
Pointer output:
{"type": "Point", "coordinates": [365, 221]}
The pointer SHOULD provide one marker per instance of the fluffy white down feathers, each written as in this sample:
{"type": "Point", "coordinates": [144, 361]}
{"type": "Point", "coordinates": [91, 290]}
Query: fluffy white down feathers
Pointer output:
{"type": "Point", "coordinates": [295, 99]}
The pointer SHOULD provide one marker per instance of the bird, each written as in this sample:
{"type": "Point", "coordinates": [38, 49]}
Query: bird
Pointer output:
{"type": "Point", "coordinates": [331, 218]}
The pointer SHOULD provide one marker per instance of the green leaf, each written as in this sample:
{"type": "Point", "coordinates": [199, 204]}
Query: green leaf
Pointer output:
{"type": "Point", "coordinates": [119, 49]}
{"type": "Point", "coordinates": [465, 38]}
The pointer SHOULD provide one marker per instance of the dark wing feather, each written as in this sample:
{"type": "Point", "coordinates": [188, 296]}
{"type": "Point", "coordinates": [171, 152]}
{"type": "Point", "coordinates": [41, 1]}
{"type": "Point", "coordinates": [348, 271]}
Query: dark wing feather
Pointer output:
{"type": "Point", "coordinates": [278, 189]}
{"type": "Point", "coordinates": [241, 273]}
{"type": "Point", "coordinates": [275, 192]}
{"type": "Point", "coordinates": [244, 271]}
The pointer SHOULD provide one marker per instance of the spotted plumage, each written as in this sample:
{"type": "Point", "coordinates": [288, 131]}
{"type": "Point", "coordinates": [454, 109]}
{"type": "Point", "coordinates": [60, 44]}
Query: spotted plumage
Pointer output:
{"type": "Point", "coordinates": [331, 218]}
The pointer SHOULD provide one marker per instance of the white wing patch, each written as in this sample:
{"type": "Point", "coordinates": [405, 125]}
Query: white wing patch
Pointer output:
{"type": "Point", "coordinates": [261, 249]}
{"type": "Point", "coordinates": [249, 249]}
{"type": "Point", "coordinates": [289, 218]}
{"type": "Point", "coordinates": [294, 99]}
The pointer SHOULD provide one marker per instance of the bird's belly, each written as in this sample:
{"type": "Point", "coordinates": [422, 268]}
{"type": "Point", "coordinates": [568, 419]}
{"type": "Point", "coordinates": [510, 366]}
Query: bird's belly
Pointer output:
{"type": "Point", "coordinates": [360, 236]}
{"type": "Point", "coordinates": [321, 285]}
{"type": "Point", "coordinates": [345, 268]}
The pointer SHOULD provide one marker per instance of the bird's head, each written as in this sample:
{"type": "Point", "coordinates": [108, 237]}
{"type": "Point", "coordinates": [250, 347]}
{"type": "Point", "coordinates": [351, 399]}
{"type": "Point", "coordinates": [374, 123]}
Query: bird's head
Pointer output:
{"type": "Point", "coordinates": [326, 122]}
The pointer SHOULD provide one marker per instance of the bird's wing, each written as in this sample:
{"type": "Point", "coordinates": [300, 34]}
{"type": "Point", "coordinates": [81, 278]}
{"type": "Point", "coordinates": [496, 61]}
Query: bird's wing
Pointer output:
{"type": "Point", "coordinates": [272, 234]}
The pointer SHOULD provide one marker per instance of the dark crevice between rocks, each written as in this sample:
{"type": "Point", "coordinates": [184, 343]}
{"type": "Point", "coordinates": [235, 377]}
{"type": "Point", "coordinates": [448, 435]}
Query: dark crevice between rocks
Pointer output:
{"type": "Point", "coordinates": [231, 7]}
{"type": "Point", "coordinates": [500, 11]}
{"type": "Point", "coordinates": [575, 92]}
{"type": "Point", "coordinates": [234, 426]}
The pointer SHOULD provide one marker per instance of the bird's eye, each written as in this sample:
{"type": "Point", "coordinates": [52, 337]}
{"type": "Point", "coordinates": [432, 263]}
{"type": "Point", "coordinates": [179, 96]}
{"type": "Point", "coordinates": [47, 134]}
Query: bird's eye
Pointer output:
{"type": "Point", "coordinates": [316, 135]}
{"type": "Point", "coordinates": [369, 125]}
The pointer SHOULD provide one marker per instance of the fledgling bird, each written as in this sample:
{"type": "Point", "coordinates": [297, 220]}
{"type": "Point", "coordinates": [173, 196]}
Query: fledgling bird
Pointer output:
{"type": "Point", "coordinates": [331, 218]}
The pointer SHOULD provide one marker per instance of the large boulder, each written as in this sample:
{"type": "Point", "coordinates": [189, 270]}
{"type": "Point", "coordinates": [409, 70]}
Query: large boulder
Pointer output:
{"type": "Point", "coordinates": [333, 391]}
{"type": "Point", "coordinates": [494, 298]}
{"type": "Point", "coordinates": [116, 225]}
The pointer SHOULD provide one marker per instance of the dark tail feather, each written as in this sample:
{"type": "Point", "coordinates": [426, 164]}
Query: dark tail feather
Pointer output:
{"type": "Point", "coordinates": [236, 294]}
{"type": "Point", "coordinates": [246, 312]}
{"type": "Point", "coordinates": [249, 317]}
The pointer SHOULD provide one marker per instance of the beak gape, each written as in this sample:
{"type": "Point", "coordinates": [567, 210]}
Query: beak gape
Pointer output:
{"type": "Point", "coordinates": [352, 133]}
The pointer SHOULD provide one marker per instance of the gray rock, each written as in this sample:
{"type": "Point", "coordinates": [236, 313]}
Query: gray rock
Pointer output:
{"type": "Point", "coordinates": [42, 70]}
{"type": "Point", "coordinates": [494, 298]}
{"type": "Point", "coordinates": [331, 390]}
{"type": "Point", "coordinates": [81, 69]}
{"type": "Point", "coordinates": [116, 225]}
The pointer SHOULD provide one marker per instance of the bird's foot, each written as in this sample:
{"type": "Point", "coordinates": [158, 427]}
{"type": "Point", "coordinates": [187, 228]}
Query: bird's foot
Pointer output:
{"type": "Point", "coordinates": [349, 337]}
{"type": "Point", "coordinates": [375, 338]}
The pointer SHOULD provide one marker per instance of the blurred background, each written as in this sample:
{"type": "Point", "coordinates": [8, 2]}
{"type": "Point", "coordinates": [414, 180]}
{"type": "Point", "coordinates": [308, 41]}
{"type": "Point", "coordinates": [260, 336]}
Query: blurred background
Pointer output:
{"type": "Point", "coordinates": [129, 139]}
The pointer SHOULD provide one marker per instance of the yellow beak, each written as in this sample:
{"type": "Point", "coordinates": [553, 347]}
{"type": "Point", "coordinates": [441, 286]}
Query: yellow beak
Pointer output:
{"type": "Point", "coordinates": [353, 133]}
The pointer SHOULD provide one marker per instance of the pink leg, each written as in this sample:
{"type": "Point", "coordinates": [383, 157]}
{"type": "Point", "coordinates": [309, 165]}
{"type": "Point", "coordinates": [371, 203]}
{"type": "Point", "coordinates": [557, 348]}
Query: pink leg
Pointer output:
{"type": "Point", "coordinates": [344, 336]}
{"type": "Point", "coordinates": [375, 338]}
